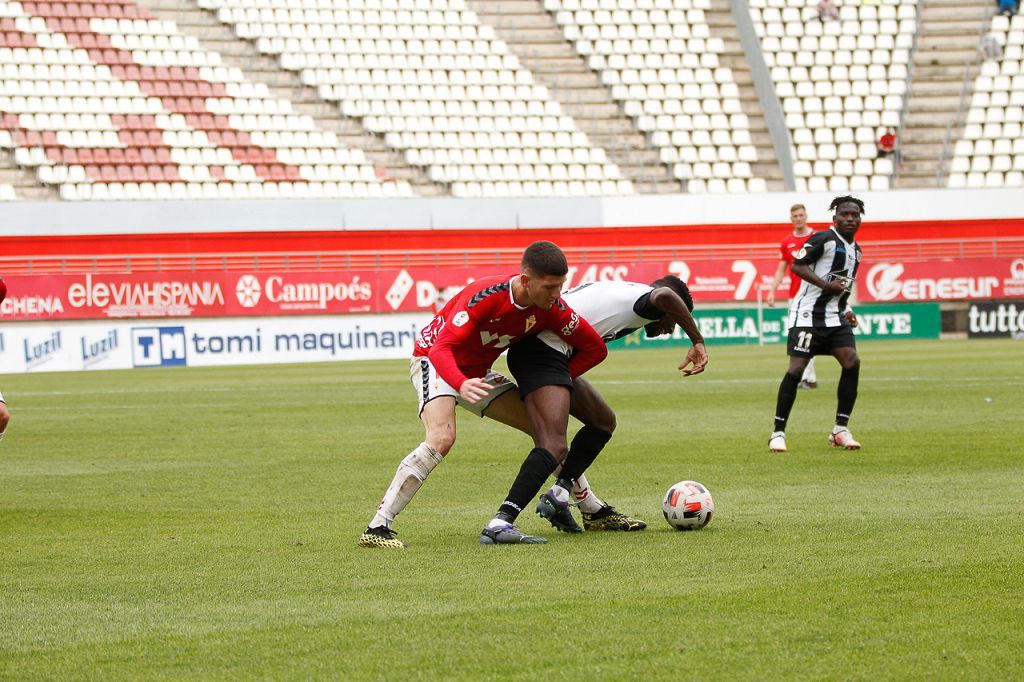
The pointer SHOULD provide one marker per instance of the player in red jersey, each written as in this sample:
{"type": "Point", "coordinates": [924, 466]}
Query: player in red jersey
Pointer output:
{"type": "Point", "coordinates": [451, 364]}
{"type": "Point", "coordinates": [792, 243]}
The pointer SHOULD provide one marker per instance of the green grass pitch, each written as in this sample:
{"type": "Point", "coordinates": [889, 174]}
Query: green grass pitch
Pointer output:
{"type": "Point", "coordinates": [201, 524]}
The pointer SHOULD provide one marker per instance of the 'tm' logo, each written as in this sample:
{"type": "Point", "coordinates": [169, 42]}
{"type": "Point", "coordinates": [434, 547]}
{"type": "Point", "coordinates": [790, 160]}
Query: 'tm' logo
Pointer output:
{"type": "Point", "coordinates": [158, 346]}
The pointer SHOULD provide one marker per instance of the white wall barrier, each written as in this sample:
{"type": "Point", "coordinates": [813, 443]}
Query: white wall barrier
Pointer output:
{"type": "Point", "coordinates": [124, 344]}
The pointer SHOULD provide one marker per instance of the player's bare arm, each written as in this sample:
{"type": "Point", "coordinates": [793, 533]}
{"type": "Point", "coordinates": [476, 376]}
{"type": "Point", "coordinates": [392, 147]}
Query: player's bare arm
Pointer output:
{"type": "Point", "coordinates": [851, 317]}
{"type": "Point", "coordinates": [676, 312]}
{"type": "Point", "coordinates": [780, 272]}
{"type": "Point", "coordinates": [835, 288]}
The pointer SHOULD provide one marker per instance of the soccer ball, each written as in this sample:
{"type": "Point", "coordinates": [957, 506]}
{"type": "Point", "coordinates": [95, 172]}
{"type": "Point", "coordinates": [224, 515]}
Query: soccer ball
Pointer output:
{"type": "Point", "coordinates": [688, 505]}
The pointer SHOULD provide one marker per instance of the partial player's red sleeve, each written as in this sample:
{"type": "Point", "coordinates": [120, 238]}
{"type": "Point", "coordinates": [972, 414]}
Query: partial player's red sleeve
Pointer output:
{"type": "Point", "coordinates": [444, 354]}
{"type": "Point", "coordinates": [590, 347]}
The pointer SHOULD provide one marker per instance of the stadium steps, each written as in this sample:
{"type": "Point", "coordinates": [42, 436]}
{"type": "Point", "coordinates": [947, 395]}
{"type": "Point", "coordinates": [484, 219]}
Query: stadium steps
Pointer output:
{"type": "Point", "coordinates": [23, 180]}
{"type": "Point", "coordinates": [240, 53]}
{"type": "Point", "coordinates": [720, 22]}
{"type": "Point", "coordinates": [946, 64]}
{"type": "Point", "coordinates": [532, 34]}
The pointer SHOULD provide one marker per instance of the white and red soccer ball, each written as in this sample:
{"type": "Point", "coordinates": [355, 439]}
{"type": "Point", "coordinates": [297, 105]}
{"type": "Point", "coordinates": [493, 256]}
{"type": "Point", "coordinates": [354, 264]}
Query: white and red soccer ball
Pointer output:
{"type": "Point", "coordinates": [688, 505]}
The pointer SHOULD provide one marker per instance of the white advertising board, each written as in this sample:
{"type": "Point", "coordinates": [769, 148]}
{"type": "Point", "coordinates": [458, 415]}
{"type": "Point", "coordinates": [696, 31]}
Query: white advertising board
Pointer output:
{"type": "Point", "coordinates": [74, 345]}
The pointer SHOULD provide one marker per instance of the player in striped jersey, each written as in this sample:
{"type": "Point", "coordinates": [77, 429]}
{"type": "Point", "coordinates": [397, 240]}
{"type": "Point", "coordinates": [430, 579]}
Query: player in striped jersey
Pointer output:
{"type": "Point", "coordinates": [540, 365]}
{"type": "Point", "coordinates": [791, 243]}
{"type": "Point", "coordinates": [820, 321]}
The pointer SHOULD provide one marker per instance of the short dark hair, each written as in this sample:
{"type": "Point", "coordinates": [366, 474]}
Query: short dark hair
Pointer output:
{"type": "Point", "coordinates": [541, 259]}
{"type": "Point", "coordinates": [677, 285]}
{"type": "Point", "coordinates": [842, 200]}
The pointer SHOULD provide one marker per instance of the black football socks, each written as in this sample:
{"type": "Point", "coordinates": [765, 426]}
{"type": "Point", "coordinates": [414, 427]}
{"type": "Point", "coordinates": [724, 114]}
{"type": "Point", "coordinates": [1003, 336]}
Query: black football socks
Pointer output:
{"type": "Point", "coordinates": [536, 468]}
{"type": "Point", "coordinates": [787, 396]}
{"type": "Point", "coordinates": [847, 394]}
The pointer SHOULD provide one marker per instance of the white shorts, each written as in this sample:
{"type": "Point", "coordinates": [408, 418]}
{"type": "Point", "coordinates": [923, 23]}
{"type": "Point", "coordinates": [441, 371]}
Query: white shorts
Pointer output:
{"type": "Point", "coordinates": [429, 385]}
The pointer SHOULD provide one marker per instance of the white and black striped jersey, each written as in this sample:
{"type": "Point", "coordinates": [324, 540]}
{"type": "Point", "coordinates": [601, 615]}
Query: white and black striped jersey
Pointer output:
{"type": "Point", "coordinates": [829, 256]}
{"type": "Point", "coordinates": [612, 308]}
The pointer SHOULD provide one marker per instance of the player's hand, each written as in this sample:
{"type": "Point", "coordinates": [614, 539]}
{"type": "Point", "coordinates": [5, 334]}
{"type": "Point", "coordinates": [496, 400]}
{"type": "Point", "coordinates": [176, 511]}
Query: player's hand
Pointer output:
{"type": "Point", "coordinates": [474, 389]}
{"type": "Point", "coordinates": [851, 317]}
{"type": "Point", "coordinates": [770, 298]}
{"type": "Point", "coordinates": [696, 356]}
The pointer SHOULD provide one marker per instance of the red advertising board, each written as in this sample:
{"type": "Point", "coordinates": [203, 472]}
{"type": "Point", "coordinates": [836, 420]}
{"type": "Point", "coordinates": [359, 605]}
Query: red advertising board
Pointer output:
{"type": "Point", "coordinates": [942, 280]}
{"type": "Point", "coordinates": [217, 294]}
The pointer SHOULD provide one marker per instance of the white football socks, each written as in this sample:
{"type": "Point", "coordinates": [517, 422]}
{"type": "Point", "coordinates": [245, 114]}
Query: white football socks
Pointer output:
{"type": "Point", "coordinates": [411, 473]}
{"type": "Point", "coordinates": [586, 500]}
{"type": "Point", "coordinates": [809, 374]}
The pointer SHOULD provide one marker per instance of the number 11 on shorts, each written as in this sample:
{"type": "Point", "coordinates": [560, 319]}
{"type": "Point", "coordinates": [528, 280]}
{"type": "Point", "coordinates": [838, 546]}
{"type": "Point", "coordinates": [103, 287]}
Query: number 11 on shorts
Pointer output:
{"type": "Point", "coordinates": [803, 342]}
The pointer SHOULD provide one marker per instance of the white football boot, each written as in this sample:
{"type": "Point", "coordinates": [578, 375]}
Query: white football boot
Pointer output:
{"type": "Point", "coordinates": [842, 438]}
{"type": "Point", "coordinates": [777, 442]}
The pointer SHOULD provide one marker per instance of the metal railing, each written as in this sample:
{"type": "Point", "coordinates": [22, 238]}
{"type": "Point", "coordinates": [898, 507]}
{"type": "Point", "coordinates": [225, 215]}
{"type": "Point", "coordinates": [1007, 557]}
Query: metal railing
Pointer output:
{"type": "Point", "coordinates": [971, 67]}
{"type": "Point", "coordinates": [298, 261]}
{"type": "Point", "coordinates": [907, 93]}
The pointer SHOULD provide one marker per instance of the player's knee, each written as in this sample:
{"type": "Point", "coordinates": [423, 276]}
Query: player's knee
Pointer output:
{"type": "Point", "coordinates": [558, 447]}
{"type": "Point", "coordinates": [605, 422]}
{"type": "Point", "coordinates": [442, 442]}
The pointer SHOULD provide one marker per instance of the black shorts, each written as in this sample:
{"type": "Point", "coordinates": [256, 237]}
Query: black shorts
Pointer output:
{"type": "Point", "coordinates": [806, 342]}
{"type": "Point", "coordinates": [534, 364]}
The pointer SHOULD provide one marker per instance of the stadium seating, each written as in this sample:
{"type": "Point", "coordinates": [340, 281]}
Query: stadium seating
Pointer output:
{"type": "Point", "coordinates": [990, 152]}
{"type": "Point", "coordinates": [841, 83]}
{"type": "Point", "coordinates": [662, 64]}
{"type": "Point", "coordinates": [7, 193]}
{"type": "Point", "coordinates": [107, 102]}
{"type": "Point", "coordinates": [101, 100]}
{"type": "Point", "coordinates": [438, 85]}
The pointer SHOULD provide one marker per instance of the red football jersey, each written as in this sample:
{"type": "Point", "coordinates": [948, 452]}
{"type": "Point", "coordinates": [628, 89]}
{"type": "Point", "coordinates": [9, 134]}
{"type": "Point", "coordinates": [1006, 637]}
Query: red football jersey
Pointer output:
{"type": "Point", "coordinates": [479, 323]}
{"type": "Point", "coordinates": [790, 245]}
